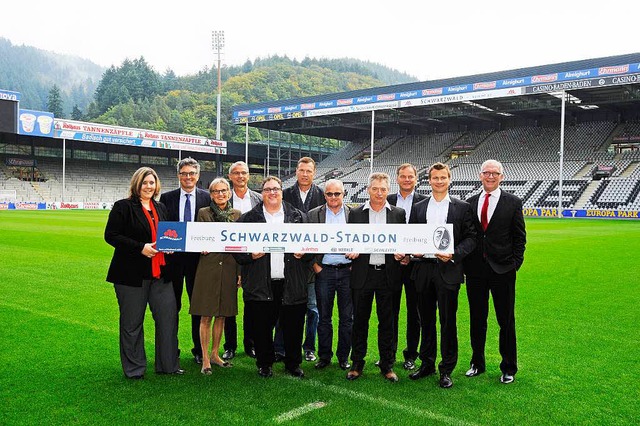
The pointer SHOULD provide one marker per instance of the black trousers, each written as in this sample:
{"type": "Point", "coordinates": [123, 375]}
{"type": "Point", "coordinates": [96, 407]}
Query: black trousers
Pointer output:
{"type": "Point", "coordinates": [503, 291]}
{"type": "Point", "coordinates": [263, 316]}
{"type": "Point", "coordinates": [362, 302]}
{"type": "Point", "coordinates": [441, 298]}
{"type": "Point", "coordinates": [413, 315]}
{"type": "Point", "coordinates": [231, 332]}
{"type": "Point", "coordinates": [181, 268]}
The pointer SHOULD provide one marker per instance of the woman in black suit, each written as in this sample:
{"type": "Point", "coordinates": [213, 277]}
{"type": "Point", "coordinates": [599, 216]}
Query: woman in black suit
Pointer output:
{"type": "Point", "coordinates": [136, 272]}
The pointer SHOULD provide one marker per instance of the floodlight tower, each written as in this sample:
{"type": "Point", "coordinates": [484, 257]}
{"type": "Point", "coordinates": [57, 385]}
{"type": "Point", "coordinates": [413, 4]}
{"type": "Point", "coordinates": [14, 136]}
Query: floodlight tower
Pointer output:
{"type": "Point", "coordinates": [217, 42]}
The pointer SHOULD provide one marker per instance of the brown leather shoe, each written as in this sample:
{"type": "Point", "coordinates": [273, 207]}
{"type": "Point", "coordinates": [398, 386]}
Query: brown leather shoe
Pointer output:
{"type": "Point", "coordinates": [391, 376]}
{"type": "Point", "coordinates": [353, 375]}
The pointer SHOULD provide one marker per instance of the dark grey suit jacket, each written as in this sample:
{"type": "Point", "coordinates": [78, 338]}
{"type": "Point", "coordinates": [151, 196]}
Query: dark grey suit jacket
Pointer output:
{"type": "Point", "coordinates": [464, 241]}
{"type": "Point", "coordinates": [253, 196]}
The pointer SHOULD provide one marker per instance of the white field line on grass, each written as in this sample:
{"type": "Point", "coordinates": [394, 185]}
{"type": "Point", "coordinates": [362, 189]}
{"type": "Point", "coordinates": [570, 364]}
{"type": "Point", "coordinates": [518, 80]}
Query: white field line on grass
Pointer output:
{"type": "Point", "coordinates": [414, 411]}
{"type": "Point", "coordinates": [297, 412]}
{"type": "Point", "coordinates": [67, 320]}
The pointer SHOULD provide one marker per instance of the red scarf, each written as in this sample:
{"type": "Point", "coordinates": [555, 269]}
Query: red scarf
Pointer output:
{"type": "Point", "coordinates": [158, 260]}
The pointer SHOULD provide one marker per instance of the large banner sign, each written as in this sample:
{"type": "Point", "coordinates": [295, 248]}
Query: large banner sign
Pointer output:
{"type": "Point", "coordinates": [304, 238]}
{"type": "Point", "coordinates": [103, 133]}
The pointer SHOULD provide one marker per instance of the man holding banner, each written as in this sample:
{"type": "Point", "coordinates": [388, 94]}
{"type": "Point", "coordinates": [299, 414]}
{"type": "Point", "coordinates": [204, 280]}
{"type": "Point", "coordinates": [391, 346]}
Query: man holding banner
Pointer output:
{"type": "Point", "coordinates": [275, 284]}
{"type": "Point", "coordinates": [438, 278]}
{"type": "Point", "coordinates": [375, 275]}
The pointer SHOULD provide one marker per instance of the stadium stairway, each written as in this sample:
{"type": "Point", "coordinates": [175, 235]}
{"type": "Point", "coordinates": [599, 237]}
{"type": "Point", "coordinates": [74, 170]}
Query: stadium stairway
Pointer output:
{"type": "Point", "coordinates": [586, 195]}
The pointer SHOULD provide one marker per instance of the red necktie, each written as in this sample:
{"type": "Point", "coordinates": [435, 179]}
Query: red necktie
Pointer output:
{"type": "Point", "coordinates": [484, 221]}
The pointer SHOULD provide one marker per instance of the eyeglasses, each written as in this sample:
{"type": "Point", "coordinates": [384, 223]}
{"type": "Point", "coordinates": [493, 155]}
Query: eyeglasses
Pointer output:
{"type": "Point", "coordinates": [188, 174]}
{"type": "Point", "coordinates": [491, 174]}
{"type": "Point", "coordinates": [218, 191]}
{"type": "Point", "coordinates": [271, 190]}
{"type": "Point", "coordinates": [240, 173]}
{"type": "Point", "coordinates": [333, 194]}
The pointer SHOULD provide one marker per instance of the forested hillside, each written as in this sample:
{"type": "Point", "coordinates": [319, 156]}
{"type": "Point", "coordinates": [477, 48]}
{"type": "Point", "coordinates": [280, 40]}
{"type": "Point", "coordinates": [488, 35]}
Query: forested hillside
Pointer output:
{"type": "Point", "coordinates": [133, 94]}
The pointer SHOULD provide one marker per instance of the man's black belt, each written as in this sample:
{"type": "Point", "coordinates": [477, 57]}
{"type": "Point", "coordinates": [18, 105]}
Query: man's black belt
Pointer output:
{"type": "Point", "coordinates": [377, 267]}
{"type": "Point", "coordinates": [338, 266]}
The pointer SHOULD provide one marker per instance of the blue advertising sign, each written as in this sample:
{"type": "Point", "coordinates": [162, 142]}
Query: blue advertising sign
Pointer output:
{"type": "Point", "coordinates": [7, 95]}
{"type": "Point", "coordinates": [35, 123]}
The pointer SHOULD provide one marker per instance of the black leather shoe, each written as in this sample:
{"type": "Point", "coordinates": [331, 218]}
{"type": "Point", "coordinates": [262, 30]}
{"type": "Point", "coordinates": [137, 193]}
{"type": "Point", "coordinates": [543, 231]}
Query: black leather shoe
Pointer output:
{"type": "Point", "coordinates": [345, 365]}
{"type": "Point", "coordinates": [265, 371]}
{"type": "Point", "coordinates": [198, 359]}
{"type": "Point", "coordinates": [445, 381]}
{"type": "Point", "coordinates": [136, 377]}
{"type": "Point", "coordinates": [278, 357]}
{"type": "Point", "coordinates": [409, 364]}
{"type": "Point", "coordinates": [474, 371]}
{"type": "Point", "coordinates": [322, 364]}
{"type": "Point", "coordinates": [310, 356]}
{"type": "Point", "coordinates": [295, 372]}
{"type": "Point", "coordinates": [228, 354]}
{"type": "Point", "coordinates": [506, 378]}
{"type": "Point", "coordinates": [251, 352]}
{"type": "Point", "coordinates": [423, 371]}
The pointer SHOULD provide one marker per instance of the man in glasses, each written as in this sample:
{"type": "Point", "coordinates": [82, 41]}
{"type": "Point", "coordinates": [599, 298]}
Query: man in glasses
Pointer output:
{"type": "Point", "coordinates": [243, 199]}
{"type": "Point", "coordinates": [333, 272]}
{"type": "Point", "coordinates": [304, 195]}
{"type": "Point", "coordinates": [406, 198]}
{"type": "Point", "coordinates": [275, 285]}
{"type": "Point", "coordinates": [182, 205]}
{"type": "Point", "coordinates": [492, 267]}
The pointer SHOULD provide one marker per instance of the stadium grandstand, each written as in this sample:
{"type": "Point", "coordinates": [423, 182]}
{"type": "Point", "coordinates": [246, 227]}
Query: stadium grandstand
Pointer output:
{"type": "Point", "coordinates": [587, 159]}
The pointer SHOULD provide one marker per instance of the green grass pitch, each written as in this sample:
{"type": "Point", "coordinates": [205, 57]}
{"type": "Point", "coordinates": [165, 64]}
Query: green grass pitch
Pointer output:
{"type": "Point", "coordinates": [577, 315]}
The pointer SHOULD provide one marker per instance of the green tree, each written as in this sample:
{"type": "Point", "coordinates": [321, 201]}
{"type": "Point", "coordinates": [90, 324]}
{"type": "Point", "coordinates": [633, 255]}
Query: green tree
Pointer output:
{"type": "Point", "coordinates": [54, 102]}
{"type": "Point", "coordinates": [76, 113]}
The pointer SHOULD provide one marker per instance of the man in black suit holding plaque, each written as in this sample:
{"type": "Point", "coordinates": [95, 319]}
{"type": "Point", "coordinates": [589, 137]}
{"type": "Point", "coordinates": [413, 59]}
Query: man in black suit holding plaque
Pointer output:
{"type": "Point", "coordinates": [438, 278]}
{"type": "Point", "coordinates": [374, 275]}
{"type": "Point", "coordinates": [492, 267]}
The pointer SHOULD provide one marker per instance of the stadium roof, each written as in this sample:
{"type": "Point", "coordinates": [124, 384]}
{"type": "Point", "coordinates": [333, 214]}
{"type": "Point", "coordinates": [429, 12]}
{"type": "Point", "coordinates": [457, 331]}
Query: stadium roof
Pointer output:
{"type": "Point", "coordinates": [594, 87]}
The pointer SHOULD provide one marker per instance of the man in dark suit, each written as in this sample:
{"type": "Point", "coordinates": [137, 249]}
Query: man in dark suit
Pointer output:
{"type": "Point", "coordinates": [182, 206]}
{"type": "Point", "coordinates": [492, 267]}
{"type": "Point", "coordinates": [243, 199]}
{"type": "Point", "coordinates": [406, 198]}
{"type": "Point", "coordinates": [374, 275]}
{"type": "Point", "coordinates": [438, 278]}
{"type": "Point", "coordinates": [333, 272]}
{"type": "Point", "coordinates": [304, 195]}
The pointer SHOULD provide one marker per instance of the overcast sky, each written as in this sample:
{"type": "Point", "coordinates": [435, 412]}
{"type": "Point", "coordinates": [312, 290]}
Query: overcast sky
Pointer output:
{"type": "Point", "coordinates": [426, 39]}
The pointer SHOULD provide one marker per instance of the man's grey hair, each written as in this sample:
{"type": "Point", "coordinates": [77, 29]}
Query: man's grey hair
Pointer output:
{"type": "Point", "coordinates": [495, 163]}
{"type": "Point", "coordinates": [335, 182]}
{"type": "Point", "coordinates": [188, 162]}
{"type": "Point", "coordinates": [236, 164]}
{"type": "Point", "coordinates": [379, 176]}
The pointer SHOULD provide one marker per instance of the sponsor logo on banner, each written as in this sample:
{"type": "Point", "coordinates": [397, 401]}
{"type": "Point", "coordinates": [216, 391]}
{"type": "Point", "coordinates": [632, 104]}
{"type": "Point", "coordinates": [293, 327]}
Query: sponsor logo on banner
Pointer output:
{"type": "Point", "coordinates": [544, 78]}
{"type": "Point", "coordinates": [4, 206]}
{"type": "Point", "coordinates": [274, 110]}
{"type": "Point", "coordinates": [243, 113]}
{"type": "Point", "coordinates": [484, 86]}
{"type": "Point", "coordinates": [620, 69]}
{"type": "Point", "coordinates": [345, 101]}
{"type": "Point", "coordinates": [70, 205]}
{"type": "Point", "coordinates": [308, 106]}
{"type": "Point", "coordinates": [577, 74]}
{"type": "Point", "coordinates": [431, 92]}
{"type": "Point", "coordinates": [25, 205]}
{"type": "Point", "coordinates": [386, 97]}
{"type": "Point", "coordinates": [513, 82]}
{"type": "Point", "coordinates": [172, 235]}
